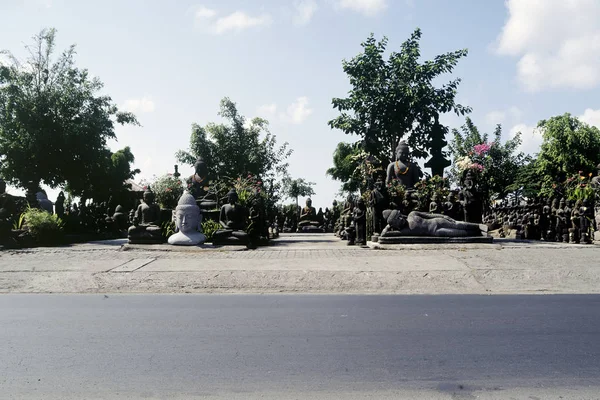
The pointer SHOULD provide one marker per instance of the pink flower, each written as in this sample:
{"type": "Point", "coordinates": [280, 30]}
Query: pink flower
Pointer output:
{"type": "Point", "coordinates": [481, 149]}
{"type": "Point", "coordinates": [477, 166]}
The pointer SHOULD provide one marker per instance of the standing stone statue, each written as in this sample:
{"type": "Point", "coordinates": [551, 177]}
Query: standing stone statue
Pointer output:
{"type": "Point", "coordinates": [59, 205]}
{"type": "Point", "coordinates": [188, 222]}
{"type": "Point", "coordinates": [402, 169]}
{"type": "Point", "coordinates": [360, 222]}
{"type": "Point", "coordinates": [470, 199]}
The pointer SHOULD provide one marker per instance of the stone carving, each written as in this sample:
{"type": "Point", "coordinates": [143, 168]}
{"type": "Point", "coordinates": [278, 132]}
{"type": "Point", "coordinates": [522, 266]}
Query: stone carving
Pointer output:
{"type": "Point", "coordinates": [199, 184]}
{"type": "Point", "coordinates": [232, 218]}
{"type": "Point", "coordinates": [59, 205]}
{"type": "Point", "coordinates": [43, 202]}
{"type": "Point", "coordinates": [146, 222]}
{"type": "Point", "coordinates": [360, 222]}
{"type": "Point", "coordinates": [308, 217]}
{"type": "Point", "coordinates": [188, 222]}
{"type": "Point", "coordinates": [419, 223]}
{"type": "Point", "coordinates": [402, 169]}
{"type": "Point", "coordinates": [470, 199]}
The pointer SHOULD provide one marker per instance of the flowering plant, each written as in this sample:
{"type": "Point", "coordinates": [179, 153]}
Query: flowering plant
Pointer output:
{"type": "Point", "coordinates": [167, 190]}
{"type": "Point", "coordinates": [577, 187]}
{"type": "Point", "coordinates": [396, 189]}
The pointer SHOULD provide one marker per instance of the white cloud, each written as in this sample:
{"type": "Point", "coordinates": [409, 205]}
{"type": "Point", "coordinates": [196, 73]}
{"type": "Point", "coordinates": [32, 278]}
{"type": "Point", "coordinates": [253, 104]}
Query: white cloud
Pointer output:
{"type": "Point", "coordinates": [304, 11]}
{"type": "Point", "coordinates": [366, 7]}
{"type": "Point", "coordinates": [267, 110]}
{"type": "Point", "coordinates": [142, 105]}
{"type": "Point", "coordinates": [495, 117]}
{"type": "Point", "coordinates": [558, 42]}
{"type": "Point", "coordinates": [237, 21]}
{"type": "Point", "coordinates": [204, 12]}
{"type": "Point", "coordinates": [591, 117]}
{"type": "Point", "coordinates": [531, 138]}
{"type": "Point", "coordinates": [298, 111]}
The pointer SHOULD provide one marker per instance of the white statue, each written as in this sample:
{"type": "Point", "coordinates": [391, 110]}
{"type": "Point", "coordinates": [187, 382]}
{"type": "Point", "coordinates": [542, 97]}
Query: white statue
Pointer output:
{"type": "Point", "coordinates": [188, 222]}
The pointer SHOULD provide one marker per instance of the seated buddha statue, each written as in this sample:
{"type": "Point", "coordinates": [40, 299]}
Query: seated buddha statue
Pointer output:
{"type": "Point", "coordinates": [187, 221]}
{"type": "Point", "coordinates": [308, 216]}
{"type": "Point", "coordinates": [402, 169]}
{"type": "Point", "coordinates": [146, 222]}
{"type": "Point", "coordinates": [233, 219]}
{"type": "Point", "coordinates": [199, 185]}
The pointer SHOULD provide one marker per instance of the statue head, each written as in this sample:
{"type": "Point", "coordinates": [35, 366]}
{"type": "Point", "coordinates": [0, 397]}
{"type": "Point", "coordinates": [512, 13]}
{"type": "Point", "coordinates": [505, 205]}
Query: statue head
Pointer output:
{"type": "Point", "coordinates": [200, 168]}
{"type": "Point", "coordinates": [148, 196]}
{"type": "Point", "coordinates": [402, 151]}
{"type": "Point", "coordinates": [232, 197]}
{"type": "Point", "coordinates": [187, 214]}
{"type": "Point", "coordinates": [598, 168]}
{"type": "Point", "coordinates": [119, 209]}
{"type": "Point", "coordinates": [562, 203]}
{"type": "Point", "coordinates": [308, 202]}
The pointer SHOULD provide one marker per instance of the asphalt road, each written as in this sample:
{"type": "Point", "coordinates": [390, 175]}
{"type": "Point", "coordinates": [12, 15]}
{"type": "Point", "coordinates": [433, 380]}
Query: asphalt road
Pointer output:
{"type": "Point", "coordinates": [298, 346]}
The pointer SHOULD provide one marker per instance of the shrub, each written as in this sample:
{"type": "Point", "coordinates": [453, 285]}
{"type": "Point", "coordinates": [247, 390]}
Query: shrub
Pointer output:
{"type": "Point", "coordinates": [44, 227]}
{"type": "Point", "coordinates": [209, 227]}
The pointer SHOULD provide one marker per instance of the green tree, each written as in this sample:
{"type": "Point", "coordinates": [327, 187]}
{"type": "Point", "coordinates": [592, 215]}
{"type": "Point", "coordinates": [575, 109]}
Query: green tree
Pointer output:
{"type": "Point", "coordinates": [237, 149]}
{"type": "Point", "coordinates": [294, 188]}
{"type": "Point", "coordinates": [568, 146]}
{"type": "Point", "coordinates": [345, 164]}
{"type": "Point", "coordinates": [501, 162]}
{"type": "Point", "coordinates": [389, 99]}
{"type": "Point", "coordinates": [54, 124]}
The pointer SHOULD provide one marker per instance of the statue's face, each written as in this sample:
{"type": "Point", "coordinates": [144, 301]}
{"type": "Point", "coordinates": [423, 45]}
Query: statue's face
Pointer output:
{"type": "Point", "coordinates": [232, 198]}
{"type": "Point", "coordinates": [200, 168]}
{"type": "Point", "coordinates": [308, 203]}
{"type": "Point", "coordinates": [148, 197]}
{"type": "Point", "coordinates": [187, 220]}
{"type": "Point", "coordinates": [402, 154]}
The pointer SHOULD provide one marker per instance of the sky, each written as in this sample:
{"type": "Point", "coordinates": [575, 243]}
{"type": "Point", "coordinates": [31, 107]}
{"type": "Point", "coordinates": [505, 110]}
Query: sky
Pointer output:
{"type": "Point", "coordinates": [171, 62]}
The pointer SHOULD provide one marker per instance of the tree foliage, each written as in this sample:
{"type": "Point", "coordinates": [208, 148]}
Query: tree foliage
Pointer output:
{"type": "Point", "coordinates": [391, 98]}
{"type": "Point", "coordinates": [237, 149]}
{"type": "Point", "coordinates": [54, 124]}
{"type": "Point", "coordinates": [345, 164]}
{"type": "Point", "coordinates": [568, 146]}
{"type": "Point", "coordinates": [294, 188]}
{"type": "Point", "coordinates": [500, 162]}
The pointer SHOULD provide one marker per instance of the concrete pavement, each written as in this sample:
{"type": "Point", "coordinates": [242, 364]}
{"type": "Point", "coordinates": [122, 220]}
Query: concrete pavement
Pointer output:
{"type": "Point", "coordinates": [316, 263]}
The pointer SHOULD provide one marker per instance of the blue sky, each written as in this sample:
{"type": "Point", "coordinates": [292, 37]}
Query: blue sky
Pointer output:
{"type": "Point", "coordinates": [281, 60]}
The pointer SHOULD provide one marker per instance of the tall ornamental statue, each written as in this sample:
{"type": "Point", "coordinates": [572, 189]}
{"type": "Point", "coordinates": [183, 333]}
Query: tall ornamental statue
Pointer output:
{"type": "Point", "coordinates": [403, 169]}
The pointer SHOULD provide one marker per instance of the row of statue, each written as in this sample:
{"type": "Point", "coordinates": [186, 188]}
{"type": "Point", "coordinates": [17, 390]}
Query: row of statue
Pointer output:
{"type": "Point", "coordinates": [551, 220]}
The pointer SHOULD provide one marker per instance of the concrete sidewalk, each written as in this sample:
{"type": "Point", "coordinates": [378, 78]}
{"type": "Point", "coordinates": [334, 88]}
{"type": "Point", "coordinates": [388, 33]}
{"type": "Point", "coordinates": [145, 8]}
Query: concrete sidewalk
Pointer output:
{"type": "Point", "coordinates": [315, 263]}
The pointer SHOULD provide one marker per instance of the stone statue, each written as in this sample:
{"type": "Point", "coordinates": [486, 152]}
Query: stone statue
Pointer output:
{"type": "Point", "coordinates": [419, 223]}
{"type": "Point", "coordinates": [146, 228]}
{"type": "Point", "coordinates": [43, 202]}
{"type": "Point", "coordinates": [188, 222]}
{"type": "Point", "coordinates": [7, 211]}
{"type": "Point", "coordinates": [402, 169]}
{"type": "Point", "coordinates": [308, 217]}
{"type": "Point", "coordinates": [596, 179]}
{"type": "Point", "coordinates": [119, 219]}
{"type": "Point", "coordinates": [199, 185]}
{"type": "Point", "coordinates": [59, 205]}
{"type": "Point", "coordinates": [233, 220]}
{"type": "Point", "coordinates": [470, 199]}
{"type": "Point", "coordinates": [360, 222]}
{"type": "Point", "coordinates": [379, 203]}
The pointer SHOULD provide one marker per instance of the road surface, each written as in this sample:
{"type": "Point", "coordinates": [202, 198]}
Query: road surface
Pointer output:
{"type": "Point", "coordinates": [299, 346]}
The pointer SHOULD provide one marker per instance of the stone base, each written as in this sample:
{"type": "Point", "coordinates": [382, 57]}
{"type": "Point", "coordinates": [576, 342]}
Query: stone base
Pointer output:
{"type": "Point", "coordinates": [433, 239]}
{"type": "Point", "coordinates": [146, 241]}
{"type": "Point", "coordinates": [230, 242]}
{"type": "Point", "coordinates": [310, 229]}
{"type": "Point", "coordinates": [597, 236]}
